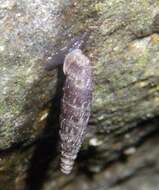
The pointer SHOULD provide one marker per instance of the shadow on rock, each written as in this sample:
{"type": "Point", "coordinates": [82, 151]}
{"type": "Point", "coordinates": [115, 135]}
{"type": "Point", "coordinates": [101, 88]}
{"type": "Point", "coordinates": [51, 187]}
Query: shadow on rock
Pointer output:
{"type": "Point", "coordinates": [46, 149]}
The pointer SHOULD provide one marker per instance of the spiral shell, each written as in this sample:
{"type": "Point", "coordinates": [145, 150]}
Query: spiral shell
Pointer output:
{"type": "Point", "coordinates": [75, 107]}
{"type": "Point", "coordinates": [77, 42]}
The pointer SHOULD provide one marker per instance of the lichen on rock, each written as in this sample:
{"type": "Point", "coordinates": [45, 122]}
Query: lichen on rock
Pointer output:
{"type": "Point", "coordinates": [123, 49]}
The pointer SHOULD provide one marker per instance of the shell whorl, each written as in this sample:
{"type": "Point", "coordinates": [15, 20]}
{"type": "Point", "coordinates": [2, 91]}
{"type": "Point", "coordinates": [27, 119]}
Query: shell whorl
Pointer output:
{"type": "Point", "coordinates": [75, 107]}
{"type": "Point", "coordinates": [66, 163]}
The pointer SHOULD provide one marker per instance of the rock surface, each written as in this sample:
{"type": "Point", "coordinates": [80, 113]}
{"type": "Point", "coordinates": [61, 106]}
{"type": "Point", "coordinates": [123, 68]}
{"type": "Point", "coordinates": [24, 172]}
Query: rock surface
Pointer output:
{"type": "Point", "coordinates": [123, 45]}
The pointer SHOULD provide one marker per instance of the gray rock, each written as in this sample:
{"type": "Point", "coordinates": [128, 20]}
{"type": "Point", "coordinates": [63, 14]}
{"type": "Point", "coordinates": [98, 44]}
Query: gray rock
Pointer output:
{"type": "Point", "coordinates": [28, 34]}
{"type": "Point", "coordinates": [123, 46]}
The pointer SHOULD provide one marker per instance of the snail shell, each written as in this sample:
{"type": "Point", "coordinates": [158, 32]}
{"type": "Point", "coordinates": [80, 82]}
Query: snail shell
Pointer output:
{"type": "Point", "coordinates": [78, 42]}
{"type": "Point", "coordinates": [75, 107]}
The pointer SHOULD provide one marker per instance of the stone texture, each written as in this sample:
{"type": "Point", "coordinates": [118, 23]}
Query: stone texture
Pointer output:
{"type": "Point", "coordinates": [27, 30]}
{"type": "Point", "coordinates": [119, 152]}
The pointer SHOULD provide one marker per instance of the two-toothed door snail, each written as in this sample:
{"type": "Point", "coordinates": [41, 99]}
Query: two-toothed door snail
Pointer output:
{"type": "Point", "coordinates": [75, 106]}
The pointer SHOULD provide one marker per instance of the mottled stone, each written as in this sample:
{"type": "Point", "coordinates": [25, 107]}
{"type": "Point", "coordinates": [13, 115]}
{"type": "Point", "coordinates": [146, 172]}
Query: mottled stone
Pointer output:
{"type": "Point", "coordinates": [123, 48]}
{"type": "Point", "coordinates": [27, 30]}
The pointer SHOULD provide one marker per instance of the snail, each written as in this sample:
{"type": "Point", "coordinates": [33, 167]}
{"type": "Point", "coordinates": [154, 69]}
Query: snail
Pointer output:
{"type": "Point", "coordinates": [75, 106]}
{"type": "Point", "coordinates": [78, 42]}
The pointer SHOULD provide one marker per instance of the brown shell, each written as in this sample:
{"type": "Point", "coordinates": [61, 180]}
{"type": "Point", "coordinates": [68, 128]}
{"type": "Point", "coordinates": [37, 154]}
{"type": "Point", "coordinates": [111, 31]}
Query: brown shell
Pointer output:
{"type": "Point", "coordinates": [75, 107]}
